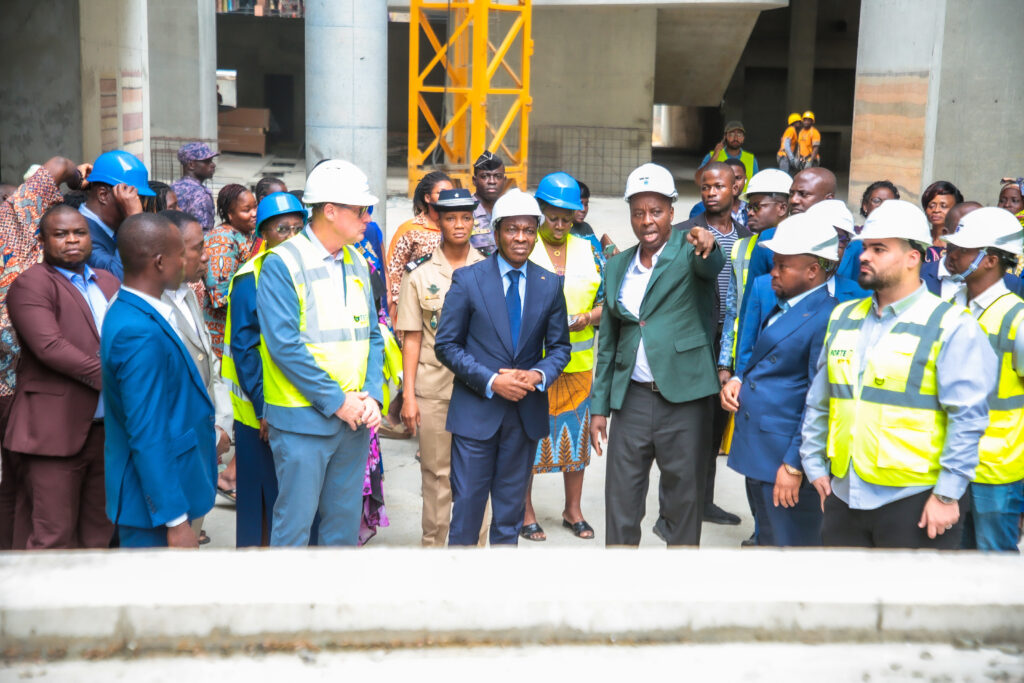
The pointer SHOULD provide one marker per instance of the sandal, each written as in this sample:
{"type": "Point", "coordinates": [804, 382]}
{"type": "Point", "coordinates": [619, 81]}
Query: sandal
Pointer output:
{"type": "Point", "coordinates": [230, 494]}
{"type": "Point", "coordinates": [530, 531]}
{"type": "Point", "coordinates": [579, 528]}
{"type": "Point", "coordinates": [203, 538]}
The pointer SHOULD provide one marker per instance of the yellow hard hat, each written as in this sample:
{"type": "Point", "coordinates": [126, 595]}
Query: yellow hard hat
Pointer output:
{"type": "Point", "coordinates": [793, 118]}
{"type": "Point", "coordinates": [808, 115]}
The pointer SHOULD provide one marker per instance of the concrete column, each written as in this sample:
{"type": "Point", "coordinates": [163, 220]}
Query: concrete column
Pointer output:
{"type": "Point", "coordinates": [803, 22]}
{"type": "Point", "coordinates": [346, 87]}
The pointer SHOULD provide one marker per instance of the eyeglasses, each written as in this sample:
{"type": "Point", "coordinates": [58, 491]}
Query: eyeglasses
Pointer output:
{"type": "Point", "coordinates": [288, 229]}
{"type": "Point", "coordinates": [360, 211]}
{"type": "Point", "coordinates": [757, 206]}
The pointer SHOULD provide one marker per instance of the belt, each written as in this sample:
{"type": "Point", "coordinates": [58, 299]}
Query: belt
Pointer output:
{"type": "Point", "coordinates": [650, 386]}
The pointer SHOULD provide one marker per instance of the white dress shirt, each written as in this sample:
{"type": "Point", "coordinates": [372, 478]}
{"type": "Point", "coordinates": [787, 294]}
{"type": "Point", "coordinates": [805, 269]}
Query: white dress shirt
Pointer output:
{"type": "Point", "coordinates": [631, 296]}
{"type": "Point", "coordinates": [980, 304]}
{"type": "Point", "coordinates": [179, 296]}
{"type": "Point", "coordinates": [948, 288]}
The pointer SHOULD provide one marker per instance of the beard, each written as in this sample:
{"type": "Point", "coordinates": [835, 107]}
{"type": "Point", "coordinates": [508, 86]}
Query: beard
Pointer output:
{"type": "Point", "coordinates": [875, 280]}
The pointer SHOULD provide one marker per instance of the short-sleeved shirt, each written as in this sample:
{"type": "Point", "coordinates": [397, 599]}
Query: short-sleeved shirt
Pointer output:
{"type": "Point", "coordinates": [419, 309]}
{"type": "Point", "coordinates": [195, 199]}
{"type": "Point", "coordinates": [793, 138]}
{"type": "Point", "coordinates": [806, 139]}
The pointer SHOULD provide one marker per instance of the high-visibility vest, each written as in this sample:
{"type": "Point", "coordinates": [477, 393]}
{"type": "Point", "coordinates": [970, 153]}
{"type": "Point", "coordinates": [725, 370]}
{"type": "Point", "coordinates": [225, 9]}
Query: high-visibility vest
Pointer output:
{"type": "Point", "coordinates": [742, 250]}
{"type": "Point", "coordinates": [392, 366]}
{"type": "Point", "coordinates": [1001, 451]}
{"type": "Point", "coordinates": [888, 422]}
{"type": "Point", "coordinates": [582, 281]}
{"type": "Point", "coordinates": [746, 158]}
{"type": "Point", "coordinates": [335, 330]}
{"type": "Point", "coordinates": [241, 404]}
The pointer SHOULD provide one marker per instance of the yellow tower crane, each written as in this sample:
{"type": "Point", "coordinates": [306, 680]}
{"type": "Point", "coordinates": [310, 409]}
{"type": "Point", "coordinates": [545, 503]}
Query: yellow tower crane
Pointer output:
{"type": "Point", "coordinates": [485, 94]}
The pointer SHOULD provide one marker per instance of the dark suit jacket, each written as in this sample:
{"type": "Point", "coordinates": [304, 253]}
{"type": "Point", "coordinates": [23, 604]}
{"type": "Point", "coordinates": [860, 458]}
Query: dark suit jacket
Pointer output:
{"type": "Point", "coordinates": [759, 303]}
{"type": "Point", "coordinates": [104, 250]}
{"type": "Point", "coordinates": [701, 221]}
{"type": "Point", "coordinates": [674, 323]}
{"type": "Point", "coordinates": [474, 341]}
{"type": "Point", "coordinates": [930, 276]}
{"type": "Point", "coordinates": [775, 383]}
{"type": "Point", "coordinates": [59, 377]}
{"type": "Point", "coordinates": [161, 459]}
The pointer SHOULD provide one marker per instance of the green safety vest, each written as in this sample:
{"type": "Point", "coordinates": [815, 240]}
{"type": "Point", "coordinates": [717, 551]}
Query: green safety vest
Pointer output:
{"type": "Point", "coordinates": [742, 250]}
{"type": "Point", "coordinates": [888, 423]}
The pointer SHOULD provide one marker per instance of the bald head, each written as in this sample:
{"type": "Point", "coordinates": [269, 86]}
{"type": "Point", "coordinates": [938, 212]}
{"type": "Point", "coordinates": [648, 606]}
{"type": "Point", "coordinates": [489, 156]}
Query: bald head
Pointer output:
{"type": "Point", "coordinates": [151, 249]}
{"type": "Point", "coordinates": [956, 214]}
{"type": "Point", "coordinates": [810, 186]}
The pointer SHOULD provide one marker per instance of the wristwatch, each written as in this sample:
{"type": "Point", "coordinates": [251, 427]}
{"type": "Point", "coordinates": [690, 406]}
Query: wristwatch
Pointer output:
{"type": "Point", "coordinates": [793, 470]}
{"type": "Point", "coordinates": [724, 367]}
{"type": "Point", "coordinates": [945, 500]}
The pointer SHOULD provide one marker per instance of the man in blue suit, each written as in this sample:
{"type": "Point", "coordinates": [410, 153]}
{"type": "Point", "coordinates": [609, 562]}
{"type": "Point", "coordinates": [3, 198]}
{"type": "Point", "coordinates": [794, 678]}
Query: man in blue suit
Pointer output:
{"type": "Point", "coordinates": [114, 186]}
{"type": "Point", "coordinates": [504, 332]}
{"type": "Point", "coordinates": [160, 450]}
{"type": "Point", "coordinates": [768, 394]}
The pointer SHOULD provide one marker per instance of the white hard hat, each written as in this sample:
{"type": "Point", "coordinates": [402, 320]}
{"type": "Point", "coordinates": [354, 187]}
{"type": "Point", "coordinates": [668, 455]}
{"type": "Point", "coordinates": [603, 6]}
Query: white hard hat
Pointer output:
{"type": "Point", "coordinates": [768, 181]}
{"type": "Point", "coordinates": [805, 234]}
{"type": "Point", "coordinates": [338, 182]}
{"type": "Point", "coordinates": [651, 178]}
{"type": "Point", "coordinates": [895, 218]}
{"type": "Point", "coordinates": [989, 227]}
{"type": "Point", "coordinates": [835, 213]}
{"type": "Point", "coordinates": [515, 202]}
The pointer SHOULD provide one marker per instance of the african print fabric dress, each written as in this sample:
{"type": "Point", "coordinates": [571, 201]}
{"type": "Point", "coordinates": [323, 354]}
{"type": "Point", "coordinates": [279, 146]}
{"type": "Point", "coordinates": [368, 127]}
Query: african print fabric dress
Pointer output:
{"type": "Point", "coordinates": [568, 447]}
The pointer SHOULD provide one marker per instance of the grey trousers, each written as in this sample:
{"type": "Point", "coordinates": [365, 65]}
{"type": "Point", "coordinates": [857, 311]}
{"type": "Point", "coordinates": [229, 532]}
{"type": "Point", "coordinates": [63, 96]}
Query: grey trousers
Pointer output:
{"type": "Point", "coordinates": [675, 435]}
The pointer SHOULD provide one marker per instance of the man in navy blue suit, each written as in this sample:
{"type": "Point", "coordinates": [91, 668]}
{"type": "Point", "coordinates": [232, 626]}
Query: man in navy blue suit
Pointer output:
{"type": "Point", "coordinates": [504, 332]}
{"type": "Point", "coordinates": [115, 184]}
{"type": "Point", "coordinates": [768, 394]}
{"type": "Point", "coordinates": [160, 449]}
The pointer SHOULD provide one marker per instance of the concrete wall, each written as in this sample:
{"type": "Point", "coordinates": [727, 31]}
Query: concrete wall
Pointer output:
{"type": "Point", "coordinates": [40, 82]}
{"type": "Point", "coordinates": [978, 105]}
{"type": "Point", "coordinates": [182, 68]}
{"type": "Point", "coordinates": [932, 95]}
{"type": "Point", "coordinates": [601, 84]}
{"type": "Point", "coordinates": [115, 77]}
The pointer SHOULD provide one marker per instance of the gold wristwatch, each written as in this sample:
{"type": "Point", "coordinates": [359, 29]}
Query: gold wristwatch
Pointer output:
{"type": "Point", "coordinates": [793, 470]}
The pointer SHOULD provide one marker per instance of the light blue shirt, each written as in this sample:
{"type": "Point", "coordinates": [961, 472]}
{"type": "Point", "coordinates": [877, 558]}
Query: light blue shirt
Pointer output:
{"type": "Point", "coordinates": [97, 300]}
{"type": "Point", "coordinates": [966, 374]}
{"type": "Point", "coordinates": [504, 268]}
{"type": "Point", "coordinates": [88, 213]}
{"type": "Point", "coordinates": [784, 306]}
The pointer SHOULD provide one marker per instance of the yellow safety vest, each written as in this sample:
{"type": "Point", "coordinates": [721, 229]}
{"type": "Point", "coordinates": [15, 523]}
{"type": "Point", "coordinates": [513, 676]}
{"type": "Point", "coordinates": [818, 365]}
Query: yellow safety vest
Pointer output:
{"type": "Point", "coordinates": [336, 332]}
{"type": "Point", "coordinates": [1001, 451]}
{"type": "Point", "coordinates": [582, 282]}
{"type": "Point", "coordinates": [241, 405]}
{"type": "Point", "coordinates": [888, 422]}
{"type": "Point", "coordinates": [742, 250]}
{"type": "Point", "coordinates": [746, 158]}
{"type": "Point", "coordinates": [392, 366]}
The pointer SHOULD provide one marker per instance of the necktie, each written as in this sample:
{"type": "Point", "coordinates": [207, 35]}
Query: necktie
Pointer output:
{"type": "Point", "coordinates": [777, 312]}
{"type": "Point", "coordinates": [514, 305]}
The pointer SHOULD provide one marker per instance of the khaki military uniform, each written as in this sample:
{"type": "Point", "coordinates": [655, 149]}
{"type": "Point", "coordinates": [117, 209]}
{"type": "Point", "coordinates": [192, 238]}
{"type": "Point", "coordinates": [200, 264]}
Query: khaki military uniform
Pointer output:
{"type": "Point", "coordinates": [424, 287]}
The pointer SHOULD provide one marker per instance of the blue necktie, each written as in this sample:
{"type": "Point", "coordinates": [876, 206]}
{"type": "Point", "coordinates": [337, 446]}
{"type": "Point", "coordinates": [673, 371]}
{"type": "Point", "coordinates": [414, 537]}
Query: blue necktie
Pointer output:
{"type": "Point", "coordinates": [514, 305]}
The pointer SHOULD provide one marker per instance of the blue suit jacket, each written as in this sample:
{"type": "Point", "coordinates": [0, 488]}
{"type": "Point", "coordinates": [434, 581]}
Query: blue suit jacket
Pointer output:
{"type": "Point", "coordinates": [930, 276]}
{"type": "Point", "coordinates": [104, 250]}
{"type": "Point", "coordinates": [759, 303]}
{"type": "Point", "coordinates": [779, 371]}
{"type": "Point", "coordinates": [474, 341]}
{"type": "Point", "coordinates": [161, 459]}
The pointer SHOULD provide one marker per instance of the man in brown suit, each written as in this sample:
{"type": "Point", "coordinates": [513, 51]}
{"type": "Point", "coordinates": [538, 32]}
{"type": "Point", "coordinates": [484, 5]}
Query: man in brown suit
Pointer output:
{"type": "Point", "coordinates": [55, 429]}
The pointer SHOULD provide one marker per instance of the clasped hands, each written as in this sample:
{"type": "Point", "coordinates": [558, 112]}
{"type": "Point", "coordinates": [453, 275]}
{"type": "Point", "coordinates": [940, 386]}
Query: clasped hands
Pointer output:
{"type": "Point", "coordinates": [515, 384]}
{"type": "Point", "coordinates": [359, 409]}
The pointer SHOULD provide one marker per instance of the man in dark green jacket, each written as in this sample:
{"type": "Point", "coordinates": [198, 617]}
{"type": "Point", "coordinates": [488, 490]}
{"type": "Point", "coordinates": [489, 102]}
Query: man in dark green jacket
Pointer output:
{"type": "Point", "coordinates": [655, 367]}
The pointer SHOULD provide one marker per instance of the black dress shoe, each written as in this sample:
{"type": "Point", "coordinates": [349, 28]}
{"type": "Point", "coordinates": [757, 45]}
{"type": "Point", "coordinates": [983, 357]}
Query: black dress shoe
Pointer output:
{"type": "Point", "coordinates": [748, 542]}
{"type": "Point", "coordinates": [716, 515]}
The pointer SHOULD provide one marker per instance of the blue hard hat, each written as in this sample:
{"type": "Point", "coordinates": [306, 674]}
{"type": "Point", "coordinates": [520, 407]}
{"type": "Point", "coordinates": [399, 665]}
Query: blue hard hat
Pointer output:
{"type": "Point", "coordinates": [114, 168]}
{"type": "Point", "coordinates": [276, 204]}
{"type": "Point", "coordinates": [561, 190]}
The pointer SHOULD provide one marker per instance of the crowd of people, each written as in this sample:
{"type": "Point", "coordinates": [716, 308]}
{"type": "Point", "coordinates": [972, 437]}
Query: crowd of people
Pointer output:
{"type": "Point", "coordinates": [867, 381]}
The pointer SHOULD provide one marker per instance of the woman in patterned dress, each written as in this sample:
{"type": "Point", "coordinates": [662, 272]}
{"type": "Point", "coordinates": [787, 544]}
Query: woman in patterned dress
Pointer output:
{"type": "Point", "coordinates": [567, 449]}
{"type": "Point", "coordinates": [227, 246]}
{"type": "Point", "coordinates": [417, 237]}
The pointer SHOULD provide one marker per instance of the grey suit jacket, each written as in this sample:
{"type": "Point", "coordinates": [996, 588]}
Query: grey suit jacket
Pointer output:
{"type": "Point", "coordinates": [200, 347]}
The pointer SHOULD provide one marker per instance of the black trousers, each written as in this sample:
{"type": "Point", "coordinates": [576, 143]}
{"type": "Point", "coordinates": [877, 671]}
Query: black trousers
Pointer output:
{"type": "Point", "coordinates": [719, 421]}
{"type": "Point", "coordinates": [650, 429]}
{"type": "Point", "coordinates": [891, 526]}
